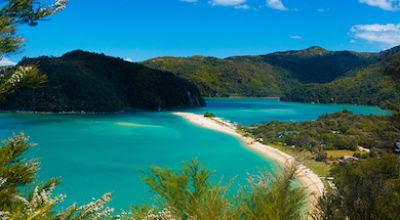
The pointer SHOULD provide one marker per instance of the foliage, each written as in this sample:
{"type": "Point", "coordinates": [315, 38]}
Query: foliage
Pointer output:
{"type": "Point", "coordinates": [16, 12]}
{"type": "Point", "coordinates": [20, 77]}
{"type": "Point", "coordinates": [366, 189]}
{"type": "Point", "coordinates": [12, 14]}
{"type": "Point", "coordinates": [209, 115]}
{"type": "Point", "coordinates": [190, 194]}
{"type": "Point", "coordinates": [342, 130]}
{"type": "Point", "coordinates": [273, 198]}
{"type": "Point", "coordinates": [83, 81]}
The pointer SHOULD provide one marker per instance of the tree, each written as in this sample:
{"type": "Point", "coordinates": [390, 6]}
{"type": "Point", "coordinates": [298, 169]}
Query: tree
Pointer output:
{"type": "Point", "coordinates": [273, 197]}
{"type": "Point", "coordinates": [190, 194]}
{"type": "Point", "coordinates": [17, 12]}
{"type": "Point", "coordinates": [366, 189]}
{"type": "Point", "coordinates": [12, 14]}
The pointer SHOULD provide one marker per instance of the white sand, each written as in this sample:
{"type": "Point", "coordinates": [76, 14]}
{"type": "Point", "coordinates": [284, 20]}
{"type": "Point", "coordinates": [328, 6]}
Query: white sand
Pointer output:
{"type": "Point", "coordinates": [306, 177]}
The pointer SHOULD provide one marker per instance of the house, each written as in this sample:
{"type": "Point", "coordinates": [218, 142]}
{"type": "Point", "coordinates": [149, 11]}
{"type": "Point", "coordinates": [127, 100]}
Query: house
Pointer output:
{"type": "Point", "coordinates": [347, 158]}
{"type": "Point", "coordinates": [397, 148]}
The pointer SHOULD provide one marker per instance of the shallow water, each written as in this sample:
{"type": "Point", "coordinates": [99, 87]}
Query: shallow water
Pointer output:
{"type": "Point", "coordinates": [95, 154]}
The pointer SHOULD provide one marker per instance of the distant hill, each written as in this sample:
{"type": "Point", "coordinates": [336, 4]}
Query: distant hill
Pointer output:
{"type": "Point", "coordinates": [376, 84]}
{"type": "Point", "coordinates": [317, 65]}
{"type": "Point", "coordinates": [266, 75]}
{"type": "Point", "coordinates": [83, 81]}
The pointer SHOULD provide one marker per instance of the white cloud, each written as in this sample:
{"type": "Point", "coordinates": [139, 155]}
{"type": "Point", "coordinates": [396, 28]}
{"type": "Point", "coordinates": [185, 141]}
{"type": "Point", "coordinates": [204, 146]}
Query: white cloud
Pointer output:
{"type": "Point", "coordinates": [6, 62]}
{"type": "Point", "coordinates": [389, 5]}
{"type": "Point", "coordinates": [234, 3]}
{"type": "Point", "coordinates": [386, 35]}
{"type": "Point", "coordinates": [297, 37]}
{"type": "Point", "coordinates": [276, 4]}
{"type": "Point", "coordinates": [128, 59]}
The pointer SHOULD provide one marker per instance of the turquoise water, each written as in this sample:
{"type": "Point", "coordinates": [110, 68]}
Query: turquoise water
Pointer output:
{"type": "Point", "coordinates": [95, 154]}
{"type": "Point", "coordinates": [248, 111]}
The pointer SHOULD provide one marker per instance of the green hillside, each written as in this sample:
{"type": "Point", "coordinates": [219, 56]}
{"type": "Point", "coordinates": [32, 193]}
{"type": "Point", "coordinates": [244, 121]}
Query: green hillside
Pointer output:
{"type": "Point", "coordinates": [317, 65]}
{"type": "Point", "coordinates": [377, 84]}
{"type": "Point", "coordinates": [83, 81]}
{"type": "Point", "coordinates": [228, 77]}
{"type": "Point", "coordinates": [267, 75]}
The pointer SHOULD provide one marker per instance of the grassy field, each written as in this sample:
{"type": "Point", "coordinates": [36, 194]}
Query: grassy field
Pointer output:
{"type": "Point", "coordinates": [337, 154]}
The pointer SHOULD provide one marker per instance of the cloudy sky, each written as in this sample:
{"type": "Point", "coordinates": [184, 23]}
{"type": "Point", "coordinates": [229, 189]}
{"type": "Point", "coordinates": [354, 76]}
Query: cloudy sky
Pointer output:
{"type": "Point", "coordinates": [141, 29]}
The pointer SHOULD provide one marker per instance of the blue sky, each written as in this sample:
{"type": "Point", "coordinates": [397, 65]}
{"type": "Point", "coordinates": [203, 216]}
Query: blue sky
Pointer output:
{"type": "Point", "coordinates": [142, 29]}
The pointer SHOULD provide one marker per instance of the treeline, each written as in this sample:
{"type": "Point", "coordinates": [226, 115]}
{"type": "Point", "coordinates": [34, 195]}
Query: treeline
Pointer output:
{"type": "Point", "coordinates": [83, 81]}
{"type": "Point", "coordinates": [342, 130]}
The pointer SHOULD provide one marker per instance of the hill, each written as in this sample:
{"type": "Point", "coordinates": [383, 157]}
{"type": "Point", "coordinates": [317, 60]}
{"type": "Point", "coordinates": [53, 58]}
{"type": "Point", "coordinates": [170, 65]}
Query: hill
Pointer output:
{"type": "Point", "coordinates": [83, 81]}
{"type": "Point", "coordinates": [376, 84]}
{"type": "Point", "coordinates": [317, 65]}
{"type": "Point", "coordinates": [266, 75]}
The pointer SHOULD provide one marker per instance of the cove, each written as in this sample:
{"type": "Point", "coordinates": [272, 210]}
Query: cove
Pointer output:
{"type": "Point", "coordinates": [95, 154]}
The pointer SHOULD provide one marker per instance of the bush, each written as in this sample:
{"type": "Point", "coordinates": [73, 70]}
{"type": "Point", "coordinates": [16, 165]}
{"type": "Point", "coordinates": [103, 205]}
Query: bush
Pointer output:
{"type": "Point", "coordinates": [209, 115]}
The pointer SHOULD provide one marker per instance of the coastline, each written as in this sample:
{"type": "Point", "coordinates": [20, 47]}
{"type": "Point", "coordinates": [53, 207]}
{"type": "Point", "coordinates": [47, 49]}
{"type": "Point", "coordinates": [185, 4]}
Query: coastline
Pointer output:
{"type": "Point", "coordinates": [306, 177]}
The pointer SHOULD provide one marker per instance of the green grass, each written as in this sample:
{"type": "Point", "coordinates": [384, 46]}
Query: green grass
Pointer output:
{"type": "Point", "coordinates": [337, 154]}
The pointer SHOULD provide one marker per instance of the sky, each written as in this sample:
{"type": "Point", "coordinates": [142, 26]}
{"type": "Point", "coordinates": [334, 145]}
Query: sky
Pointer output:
{"type": "Point", "coordinates": [137, 30]}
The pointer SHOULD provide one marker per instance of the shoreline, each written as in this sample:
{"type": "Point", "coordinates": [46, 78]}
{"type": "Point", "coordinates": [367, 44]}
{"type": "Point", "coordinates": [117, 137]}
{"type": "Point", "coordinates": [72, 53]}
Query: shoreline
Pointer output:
{"type": "Point", "coordinates": [306, 177]}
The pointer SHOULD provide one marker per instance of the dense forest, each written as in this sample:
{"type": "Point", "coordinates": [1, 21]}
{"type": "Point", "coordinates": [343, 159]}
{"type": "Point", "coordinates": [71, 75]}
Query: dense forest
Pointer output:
{"type": "Point", "coordinates": [265, 75]}
{"type": "Point", "coordinates": [83, 81]}
{"type": "Point", "coordinates": [228, 77]}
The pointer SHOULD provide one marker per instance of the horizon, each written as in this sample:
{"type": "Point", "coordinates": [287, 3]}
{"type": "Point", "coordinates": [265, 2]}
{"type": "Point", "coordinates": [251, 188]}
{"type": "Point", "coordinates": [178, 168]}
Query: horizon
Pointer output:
{"type": "Point", "coordinates": [141, 30]}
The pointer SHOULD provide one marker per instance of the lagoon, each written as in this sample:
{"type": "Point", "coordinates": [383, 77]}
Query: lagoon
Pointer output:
{"type": "Point", "coordinates": [94, 154]}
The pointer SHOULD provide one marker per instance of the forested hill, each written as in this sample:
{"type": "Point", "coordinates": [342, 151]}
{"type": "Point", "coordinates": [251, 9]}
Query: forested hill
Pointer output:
{"type": "Point", "coordinates": [83, 81]}
{"type": "Point", "coordinates": [376, 84]}
{"type": "Point", "coordinates": [317, 65]}
{"type": "Point", "coordinates": [266, 75]}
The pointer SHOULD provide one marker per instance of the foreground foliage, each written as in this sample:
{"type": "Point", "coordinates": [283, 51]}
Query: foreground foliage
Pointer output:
{"type": "Point", "coordinates": [367, 189]}
{"type": "Point", "coordinates": [12, 14]}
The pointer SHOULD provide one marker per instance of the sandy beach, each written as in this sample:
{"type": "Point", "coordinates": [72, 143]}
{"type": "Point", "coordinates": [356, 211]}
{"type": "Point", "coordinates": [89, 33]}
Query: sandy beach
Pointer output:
{"type": "Point", "coordinates": [306, 177]}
